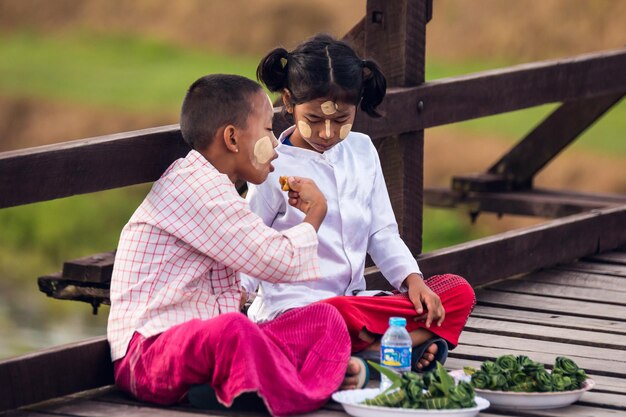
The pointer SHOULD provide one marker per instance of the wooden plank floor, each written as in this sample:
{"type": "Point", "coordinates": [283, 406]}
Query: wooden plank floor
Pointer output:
{"type": "Point", "coordinates": [577, 310]}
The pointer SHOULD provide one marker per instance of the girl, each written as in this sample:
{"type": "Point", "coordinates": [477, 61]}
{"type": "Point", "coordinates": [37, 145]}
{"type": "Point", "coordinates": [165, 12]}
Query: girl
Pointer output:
{"type": "Point", "coordinates": [322, 82]}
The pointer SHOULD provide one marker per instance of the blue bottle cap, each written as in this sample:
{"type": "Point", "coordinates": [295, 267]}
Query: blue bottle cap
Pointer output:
{"type": "Point", "coordinates": [397, 321]}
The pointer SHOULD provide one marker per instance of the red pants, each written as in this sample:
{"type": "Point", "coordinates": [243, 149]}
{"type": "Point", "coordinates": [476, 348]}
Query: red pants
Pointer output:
{"type": "Point", "coordinates": [294, 362]}
{"type": "Point", "coordinates": [372, 313]}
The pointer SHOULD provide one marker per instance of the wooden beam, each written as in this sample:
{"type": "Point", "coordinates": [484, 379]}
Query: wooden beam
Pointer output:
{"type": "Point", "coordinates": [59, 287]}
{"type": "Point", "coordinates": [87, 165]}
{"type": "Point", "coordinates": [105, 162]}
{"type": "Point", "coordinates": [524, 250]}
{"type": "Point", "coordinates": [95, 164]}
{"type": "Point", "coordinates": [517, 168]}
{"type": "Point", "coordinates": [550, 137]}
{"type": "Point", "coordinates": [94, 268]}
{"type": "Point", "coordinates": [487, 93]}
{"type": "Point", "coordinates": [540, 203]}
{"type": "Point", "coordinates": [395, 37]}
{"type": "Point", "coordinates": [54, 373]}
{"type": "Point", "coordinates": [356, 37]}
{"type": "Point", "coordinates": [483, 260]}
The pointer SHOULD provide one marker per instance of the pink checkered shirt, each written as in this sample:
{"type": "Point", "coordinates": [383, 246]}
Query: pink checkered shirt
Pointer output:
{"type": "Point", "coordinates": [179, 255]}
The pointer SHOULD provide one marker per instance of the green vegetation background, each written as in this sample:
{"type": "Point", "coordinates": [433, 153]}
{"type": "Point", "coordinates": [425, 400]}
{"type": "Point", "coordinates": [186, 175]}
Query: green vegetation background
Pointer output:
{"type": "Point", "coordinates": [140, 75]}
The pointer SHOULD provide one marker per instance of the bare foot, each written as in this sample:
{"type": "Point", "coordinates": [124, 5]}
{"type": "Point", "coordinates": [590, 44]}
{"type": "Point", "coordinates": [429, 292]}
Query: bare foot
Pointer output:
{"type": "Point", "coordinates": [428, 356]}
{"type": "Point", "coordinates": [351, 379]}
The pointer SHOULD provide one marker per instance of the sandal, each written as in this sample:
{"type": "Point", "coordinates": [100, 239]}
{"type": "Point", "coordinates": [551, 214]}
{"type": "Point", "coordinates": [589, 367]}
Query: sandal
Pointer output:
{"type": "Point", "coordinates": [440, 356]}
{"type": "Point", "coordinates": [369, 355]}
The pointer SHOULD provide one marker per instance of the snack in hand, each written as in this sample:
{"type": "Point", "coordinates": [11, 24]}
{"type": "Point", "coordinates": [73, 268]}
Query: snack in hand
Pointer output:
{"type": "Point", "coordinates": [284, 184]}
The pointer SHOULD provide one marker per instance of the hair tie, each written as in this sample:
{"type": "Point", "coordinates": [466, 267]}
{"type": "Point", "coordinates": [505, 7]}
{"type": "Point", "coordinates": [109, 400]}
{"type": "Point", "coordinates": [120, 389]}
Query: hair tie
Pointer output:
{"type": "Point", "coordinates": [285, 55]}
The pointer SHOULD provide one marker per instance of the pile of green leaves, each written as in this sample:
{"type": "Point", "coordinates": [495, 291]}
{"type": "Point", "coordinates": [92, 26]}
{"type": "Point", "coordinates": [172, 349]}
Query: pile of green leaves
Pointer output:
{"type": "Point", "coordinates": [521, 374]}
{"type": "Point", "coordinates": [432, 390]}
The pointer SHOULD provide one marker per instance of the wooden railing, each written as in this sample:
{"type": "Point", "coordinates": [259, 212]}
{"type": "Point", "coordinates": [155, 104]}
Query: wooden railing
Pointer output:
{"type": "Point", "coordinates": [587, 86]}
{"type": "Point", "coordinates": [393, 33]}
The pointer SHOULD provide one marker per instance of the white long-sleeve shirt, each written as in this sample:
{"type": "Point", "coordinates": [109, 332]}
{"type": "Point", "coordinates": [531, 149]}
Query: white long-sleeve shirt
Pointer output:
{"type": "Point", "coordinates": [179, 254]}
{"type": "Point", "coordinates": [359, 220]}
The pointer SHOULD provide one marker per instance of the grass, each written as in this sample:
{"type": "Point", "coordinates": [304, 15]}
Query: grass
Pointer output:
{"type": "Point", "coordinates": [114, 71]}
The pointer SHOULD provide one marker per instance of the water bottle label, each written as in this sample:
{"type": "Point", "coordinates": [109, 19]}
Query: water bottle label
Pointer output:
{"type": "Point", "coordinates": [396, 357]}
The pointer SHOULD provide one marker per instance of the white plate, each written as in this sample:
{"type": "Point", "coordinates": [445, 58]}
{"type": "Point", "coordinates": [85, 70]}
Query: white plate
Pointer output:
{"type": "Point", "coordinates": [351, 400]}
{"type": "Point", "coordinates": [528, 400]}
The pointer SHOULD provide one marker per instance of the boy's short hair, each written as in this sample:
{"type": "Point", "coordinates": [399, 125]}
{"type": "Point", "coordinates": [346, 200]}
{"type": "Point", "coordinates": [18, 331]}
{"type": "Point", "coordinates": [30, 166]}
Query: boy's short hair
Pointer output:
{"type": "Point", "coordinates": [214, 101]}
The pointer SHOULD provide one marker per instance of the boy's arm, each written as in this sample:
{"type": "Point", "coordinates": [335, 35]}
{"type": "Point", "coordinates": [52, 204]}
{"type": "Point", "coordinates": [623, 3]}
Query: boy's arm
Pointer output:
{"type": "Point", "coordinates": [211, 217]}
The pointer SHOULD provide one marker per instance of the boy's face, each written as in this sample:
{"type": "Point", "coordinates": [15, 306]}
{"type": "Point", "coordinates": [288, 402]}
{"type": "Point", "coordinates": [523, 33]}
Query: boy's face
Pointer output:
{"type": "Point", "coordinates": [257, 141]}
{"type": "Point", "coordinates": [322, 123]}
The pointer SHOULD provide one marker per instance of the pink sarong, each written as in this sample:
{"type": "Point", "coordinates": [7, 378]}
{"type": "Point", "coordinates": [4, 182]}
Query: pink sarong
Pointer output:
{"type": "Point", "coordinates": [294, 363]}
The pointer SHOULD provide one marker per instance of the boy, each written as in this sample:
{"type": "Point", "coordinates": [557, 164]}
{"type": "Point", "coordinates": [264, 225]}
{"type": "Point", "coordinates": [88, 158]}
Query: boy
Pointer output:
{"type": "Point", "coordinates": [175, 290]}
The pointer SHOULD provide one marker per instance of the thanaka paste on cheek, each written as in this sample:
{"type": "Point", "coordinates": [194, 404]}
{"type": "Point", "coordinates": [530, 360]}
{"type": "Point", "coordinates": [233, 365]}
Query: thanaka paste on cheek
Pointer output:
{"type": "Point", "coordinates": [305, 129]}
{"type": "Point", "coordinates": [344, 131]}
{"type": "Point", "coordinates": [329, 107]}
{"type": "Point", "coordinates": [263, 150]}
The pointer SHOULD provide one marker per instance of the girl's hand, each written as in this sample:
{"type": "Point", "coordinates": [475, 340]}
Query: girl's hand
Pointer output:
{"type": "Point", "coordinates": [306, 197]}
{"type": "Point", "coordinates": [423, 298]}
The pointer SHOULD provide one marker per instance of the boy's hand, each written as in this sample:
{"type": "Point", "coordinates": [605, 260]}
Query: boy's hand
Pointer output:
{"type": "Point", "coordinates": [423, 298]}
{"type": "Point", "coordinates": [306, 197]}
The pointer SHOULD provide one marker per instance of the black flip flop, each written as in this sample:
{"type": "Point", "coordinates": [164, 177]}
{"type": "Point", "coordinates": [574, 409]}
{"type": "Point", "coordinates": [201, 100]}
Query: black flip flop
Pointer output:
{"type": "Point", "coordinates": [440, 356]}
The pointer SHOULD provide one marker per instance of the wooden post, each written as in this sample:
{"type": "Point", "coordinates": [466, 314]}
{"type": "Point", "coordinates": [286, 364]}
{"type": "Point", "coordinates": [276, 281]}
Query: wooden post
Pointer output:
{"type": "Point", "coordinates": [395, 37]}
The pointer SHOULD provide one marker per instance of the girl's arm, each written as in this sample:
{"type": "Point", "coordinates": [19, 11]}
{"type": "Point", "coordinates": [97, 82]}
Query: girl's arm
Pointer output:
{"type": "Point", "coordinates": [387, 249]}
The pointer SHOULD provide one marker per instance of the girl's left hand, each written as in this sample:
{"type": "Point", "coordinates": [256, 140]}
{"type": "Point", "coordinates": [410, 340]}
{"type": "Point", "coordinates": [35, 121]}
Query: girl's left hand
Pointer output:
{"type": "Point", "coordinates": [423, 298]}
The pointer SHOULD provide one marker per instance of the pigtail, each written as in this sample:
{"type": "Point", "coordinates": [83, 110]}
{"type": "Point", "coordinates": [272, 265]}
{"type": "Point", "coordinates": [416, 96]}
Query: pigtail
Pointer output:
{"type": "Point", "coordinates": [272, 70]}
{"type": "Point", "coordinates": [374, 88]}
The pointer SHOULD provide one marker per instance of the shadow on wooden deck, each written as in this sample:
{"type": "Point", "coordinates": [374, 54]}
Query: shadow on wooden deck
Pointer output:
{"type": "Point", "coordinates": [577, 310]}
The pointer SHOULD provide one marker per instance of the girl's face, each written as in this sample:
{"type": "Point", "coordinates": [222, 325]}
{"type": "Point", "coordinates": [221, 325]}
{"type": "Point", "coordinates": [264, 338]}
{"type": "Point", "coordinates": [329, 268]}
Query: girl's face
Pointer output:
{"type": "Point", "coordinates": [322, 123]}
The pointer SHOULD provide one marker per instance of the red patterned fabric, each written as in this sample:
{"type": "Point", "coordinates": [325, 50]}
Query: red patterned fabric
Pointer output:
{"type": "Point", "coordinates": [294, 362]}
{"type": "Point", "coordinates": [372, 313]}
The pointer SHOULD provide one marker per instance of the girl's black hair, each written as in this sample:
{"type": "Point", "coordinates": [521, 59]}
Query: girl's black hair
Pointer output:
{"type": "Point", "coordinates": [324, 67]}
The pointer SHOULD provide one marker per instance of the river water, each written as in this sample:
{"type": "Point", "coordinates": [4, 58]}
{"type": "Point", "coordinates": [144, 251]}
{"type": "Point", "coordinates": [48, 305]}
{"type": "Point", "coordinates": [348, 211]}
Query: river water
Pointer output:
{"type": "Point", "coordinates": [39, 329]}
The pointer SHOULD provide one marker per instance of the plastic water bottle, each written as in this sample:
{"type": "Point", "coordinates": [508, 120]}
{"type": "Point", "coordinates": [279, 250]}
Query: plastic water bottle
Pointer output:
{"type": "Point", "coordinates": [395, 349]}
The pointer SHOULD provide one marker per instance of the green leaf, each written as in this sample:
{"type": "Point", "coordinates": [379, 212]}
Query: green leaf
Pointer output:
{"type": "Point", "coordinates": [394, 377]}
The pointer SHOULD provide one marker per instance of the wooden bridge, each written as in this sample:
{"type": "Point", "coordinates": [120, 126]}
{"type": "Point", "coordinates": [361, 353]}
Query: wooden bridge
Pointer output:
{"type": "Point", "coordinates": [548, 290]}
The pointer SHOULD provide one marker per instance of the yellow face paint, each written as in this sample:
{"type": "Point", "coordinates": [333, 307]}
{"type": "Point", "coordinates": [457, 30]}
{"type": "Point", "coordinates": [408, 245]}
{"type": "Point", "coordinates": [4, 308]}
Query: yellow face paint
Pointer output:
{"type": "Point", "coordinates": [329, 107]}
{"type": "Point", "coordinates": [327, 129]}
{"type": "Point", "coordinates": [344, 130]}
{"type": "Point", "coordinates": [263, 150]}
{"type": "Point", "coordinates": [305, 129]}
